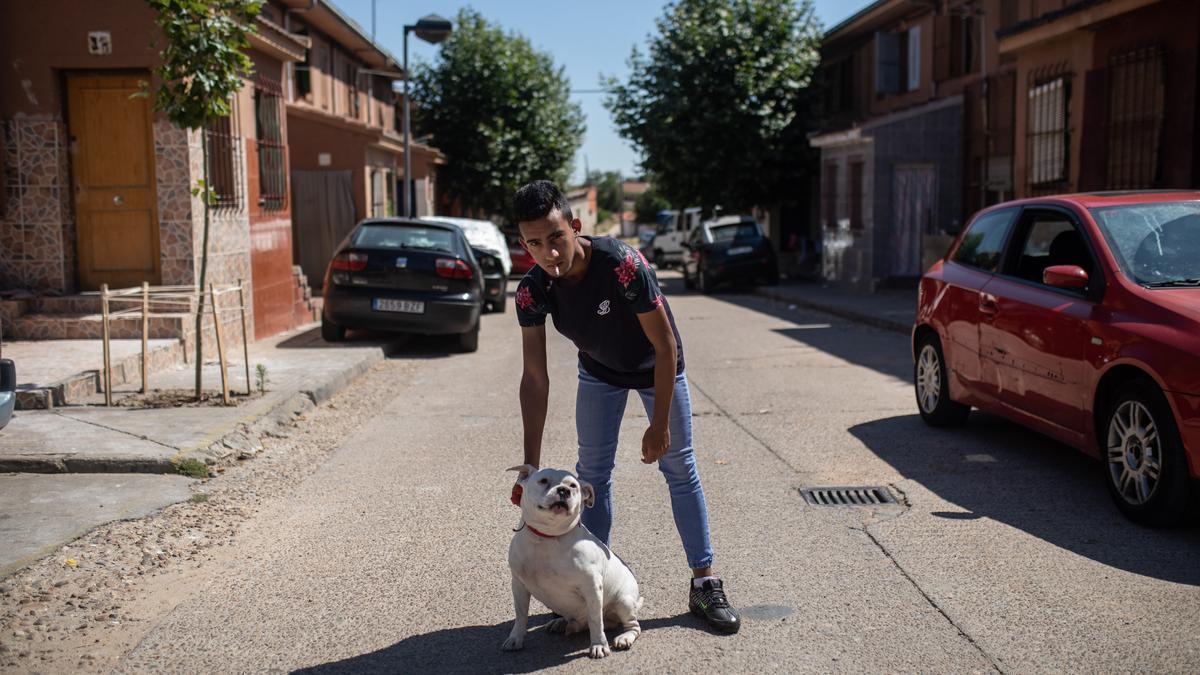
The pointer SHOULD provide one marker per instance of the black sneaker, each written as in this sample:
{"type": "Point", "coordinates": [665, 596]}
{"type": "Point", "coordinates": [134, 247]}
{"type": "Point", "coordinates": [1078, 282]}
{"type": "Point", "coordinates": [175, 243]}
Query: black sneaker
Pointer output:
{"type": "Point", "coordinates": [709, 603]}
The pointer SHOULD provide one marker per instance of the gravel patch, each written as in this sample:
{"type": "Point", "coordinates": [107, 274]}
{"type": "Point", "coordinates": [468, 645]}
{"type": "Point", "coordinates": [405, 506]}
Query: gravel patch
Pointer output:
{"type": "Point", "coordinates": [86, 606]}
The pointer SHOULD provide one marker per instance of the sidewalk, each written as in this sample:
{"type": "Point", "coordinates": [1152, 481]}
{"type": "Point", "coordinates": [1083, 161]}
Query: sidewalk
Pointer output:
{"type": "Point", "coordinates": [51, 461]}
{"type": "Point", "coordinates": [892, 309]}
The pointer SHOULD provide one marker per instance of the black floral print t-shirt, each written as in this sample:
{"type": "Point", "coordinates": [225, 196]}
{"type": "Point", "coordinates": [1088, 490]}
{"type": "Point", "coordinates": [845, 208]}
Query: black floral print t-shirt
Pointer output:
{"type": "Point", "coordinates": [599, 313]}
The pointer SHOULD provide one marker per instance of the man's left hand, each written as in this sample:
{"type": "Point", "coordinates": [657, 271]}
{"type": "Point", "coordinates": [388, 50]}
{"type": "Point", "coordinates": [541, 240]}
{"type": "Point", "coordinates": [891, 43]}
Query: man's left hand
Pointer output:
{"type": "Point", "coordinates": [655, 443]}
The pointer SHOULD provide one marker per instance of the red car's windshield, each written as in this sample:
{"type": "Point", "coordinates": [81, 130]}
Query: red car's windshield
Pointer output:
{"type": "Point", "coordinates": [1155, 244]}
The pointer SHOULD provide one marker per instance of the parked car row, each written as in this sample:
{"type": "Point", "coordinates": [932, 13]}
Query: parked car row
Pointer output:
{"type": "Point", "coordinates": [424, 276]}
{"type": "Point", "coordinates": [1077, 316]}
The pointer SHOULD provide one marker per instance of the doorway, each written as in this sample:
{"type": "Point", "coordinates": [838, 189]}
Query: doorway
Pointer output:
{"type": "Point", "coordinates": [116, 211]}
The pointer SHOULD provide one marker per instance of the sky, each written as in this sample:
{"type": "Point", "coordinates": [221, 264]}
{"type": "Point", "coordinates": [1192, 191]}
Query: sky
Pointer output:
{"type": "Point", "coordinates": [590, 39]}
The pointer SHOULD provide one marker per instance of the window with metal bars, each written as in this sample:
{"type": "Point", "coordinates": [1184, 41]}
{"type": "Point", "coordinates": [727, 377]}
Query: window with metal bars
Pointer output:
{"type": "Point", "coordinates": [272, 157]}
{"type": "Point", "coordinates": [1135, 119]}
{"type": "Point", "coordinates": [224, 169]}
{"type": "Point", "coordinates": [1047, 132]}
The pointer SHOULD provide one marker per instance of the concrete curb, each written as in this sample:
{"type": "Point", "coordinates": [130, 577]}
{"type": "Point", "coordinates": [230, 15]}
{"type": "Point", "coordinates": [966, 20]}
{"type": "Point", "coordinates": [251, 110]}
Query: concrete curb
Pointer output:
{"type": "Point", "coordinates": [239, 439]}
{"type": "Point", "coordinates": [843, 312]}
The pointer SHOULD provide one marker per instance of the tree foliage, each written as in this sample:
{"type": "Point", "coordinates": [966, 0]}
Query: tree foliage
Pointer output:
{"type": "Point", "coordinates": [204, 58]}
{"type": "Point", "coordinates": [608, 190]}
{"type": "Point", "coordinates": [647, 206]}
{"type": "Point", "coordinates": [718, 108]}
{"type": "Point", "coordinates": [500, 111]}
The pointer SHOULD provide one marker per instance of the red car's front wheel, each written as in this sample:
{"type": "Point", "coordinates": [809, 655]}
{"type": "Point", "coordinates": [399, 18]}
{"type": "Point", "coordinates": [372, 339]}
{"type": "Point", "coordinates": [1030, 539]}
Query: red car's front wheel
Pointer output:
{"type": "Point", "coordinates": [1143, 456]}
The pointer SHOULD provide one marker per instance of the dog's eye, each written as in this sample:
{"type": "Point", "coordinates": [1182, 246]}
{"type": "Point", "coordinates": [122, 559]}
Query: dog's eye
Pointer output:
{"type": "Point", "coordinates": [543, 481]}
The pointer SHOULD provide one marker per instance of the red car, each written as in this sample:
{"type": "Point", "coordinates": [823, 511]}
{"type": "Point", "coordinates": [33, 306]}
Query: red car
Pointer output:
{"type": "Point", "coordinates": [522, 262]}
{"type": "Point", "coordinates": [1077, 316]}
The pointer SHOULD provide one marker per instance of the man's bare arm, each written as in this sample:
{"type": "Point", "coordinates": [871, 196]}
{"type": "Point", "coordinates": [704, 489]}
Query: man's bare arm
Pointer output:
{"type": "Point", "coordinates": [657, 328]}
{"type": "Point", "coordinates": [535, 391]}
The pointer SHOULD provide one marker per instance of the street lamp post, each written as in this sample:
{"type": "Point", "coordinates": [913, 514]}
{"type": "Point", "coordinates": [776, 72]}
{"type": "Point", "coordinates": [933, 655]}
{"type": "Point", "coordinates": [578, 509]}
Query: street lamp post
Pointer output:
{"type": "Point", "coordinates": [432, 29]}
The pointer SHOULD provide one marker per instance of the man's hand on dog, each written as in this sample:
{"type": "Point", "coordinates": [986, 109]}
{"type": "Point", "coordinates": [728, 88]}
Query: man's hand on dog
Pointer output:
{"type": "Point", "coordinates": [655, 443]}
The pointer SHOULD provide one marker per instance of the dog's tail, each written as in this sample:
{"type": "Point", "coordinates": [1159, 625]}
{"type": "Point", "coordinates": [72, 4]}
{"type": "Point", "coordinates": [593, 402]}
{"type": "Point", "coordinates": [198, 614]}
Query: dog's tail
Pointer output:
{"type": "Point", "coordinates": [639, 604]}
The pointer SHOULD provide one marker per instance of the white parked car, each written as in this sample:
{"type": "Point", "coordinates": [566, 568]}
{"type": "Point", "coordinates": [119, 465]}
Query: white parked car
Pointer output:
{"type": "Point", "coordinates": [491, 250]}
{"type": "Point", "coordinates": [674, 227]}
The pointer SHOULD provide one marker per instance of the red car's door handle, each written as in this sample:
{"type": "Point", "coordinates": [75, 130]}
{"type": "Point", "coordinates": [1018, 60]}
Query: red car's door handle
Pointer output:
{"type": "Point", "coordinates": [988, 304]}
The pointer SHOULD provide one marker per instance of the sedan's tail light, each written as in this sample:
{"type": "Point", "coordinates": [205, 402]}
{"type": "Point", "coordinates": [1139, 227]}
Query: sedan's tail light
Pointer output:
{"type": "Point", "coordinates": [454, 268]}
{"type": "Point", "coordinates": [350, 262]}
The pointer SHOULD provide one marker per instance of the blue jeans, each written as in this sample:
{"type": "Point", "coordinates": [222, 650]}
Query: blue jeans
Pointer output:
{"type": "Point", "coordinates": [599, 408]}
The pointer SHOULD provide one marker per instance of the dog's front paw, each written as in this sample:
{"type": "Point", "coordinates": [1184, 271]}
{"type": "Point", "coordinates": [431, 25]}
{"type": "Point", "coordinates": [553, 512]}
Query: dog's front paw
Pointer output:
{"type": "Point", "coordinates": [625, 640]}
{"type": "Point", "coordinates": [513, 643]}
{"type": "Point", "coordinates": [599, 651]}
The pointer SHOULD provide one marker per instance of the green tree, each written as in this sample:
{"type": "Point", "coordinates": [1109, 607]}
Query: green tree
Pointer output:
{"type": "Point", "coordinates": [719, 107]}
{"type": "Point", "coordinates": [608, 190]}
{"type": "Point", "coordinates": [647, 206]}
{"type": "Point", "coordinates": [203, 62]}
{"type": "Point", "coordinates": [500, 111]}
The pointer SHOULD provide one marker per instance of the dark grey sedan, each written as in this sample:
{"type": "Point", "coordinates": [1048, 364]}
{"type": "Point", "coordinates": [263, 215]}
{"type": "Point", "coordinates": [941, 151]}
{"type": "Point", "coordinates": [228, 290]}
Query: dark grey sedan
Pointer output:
{"type": "Point", "coordinates": [404, 275]}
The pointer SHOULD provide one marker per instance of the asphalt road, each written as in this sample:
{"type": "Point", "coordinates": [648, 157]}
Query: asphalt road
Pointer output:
{"type": "Point", "coordinates": [1004, 553]}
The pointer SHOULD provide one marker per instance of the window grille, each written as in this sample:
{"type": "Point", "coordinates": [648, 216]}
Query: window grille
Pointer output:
{"type": "Point", "coordinates": [224, 165]}
{"type": "Point", "coordinates": [1136, 108]}
{"type": "Point", "coordinates": [1047, 132]}
{"type": "Point", "coordinates": [272, 157]}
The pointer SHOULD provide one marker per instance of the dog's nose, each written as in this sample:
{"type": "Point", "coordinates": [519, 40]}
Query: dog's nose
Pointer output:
{"type": "Point", "coordinates": [563, 492]}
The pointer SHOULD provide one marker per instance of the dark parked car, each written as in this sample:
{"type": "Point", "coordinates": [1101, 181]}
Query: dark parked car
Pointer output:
{"type": "Point", "coordinates": [404, 275]}
{"type": "Point", "coordinates": [1077, 316]}
{"type": "Point", "coordinates": [728, 249]}
{"type": "Point", "coordinates": [8, 390]}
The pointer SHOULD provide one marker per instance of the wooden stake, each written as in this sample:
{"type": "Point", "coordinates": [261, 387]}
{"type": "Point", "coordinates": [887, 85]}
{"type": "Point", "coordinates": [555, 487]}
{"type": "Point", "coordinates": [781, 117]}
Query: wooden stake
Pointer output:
{"type": "Point", "coordinates": [245, 339]}
{"type": "Point", "coordinates": [106, 375]}
{"type": "Point", "coordinates": [145, 333]}
{"type": "Point", "coordinates": [220, 345]}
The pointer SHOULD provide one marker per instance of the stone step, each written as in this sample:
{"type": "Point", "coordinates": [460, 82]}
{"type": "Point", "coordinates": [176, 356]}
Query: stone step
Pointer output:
{"type": "Point", "coordinates": [10, 311]}
{"type": "Point", "coordinates": [77, 388]}
{"type": "Point", "coordinates": [63, 326]}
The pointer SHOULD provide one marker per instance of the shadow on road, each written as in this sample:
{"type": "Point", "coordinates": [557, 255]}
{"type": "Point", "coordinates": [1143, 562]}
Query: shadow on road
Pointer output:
{"type": "Point", "coordinates": [476, 649]}
{"type": "Point", "coordinates": [395, 345]}
{"type": "Point", "coordinates": [996, 469]}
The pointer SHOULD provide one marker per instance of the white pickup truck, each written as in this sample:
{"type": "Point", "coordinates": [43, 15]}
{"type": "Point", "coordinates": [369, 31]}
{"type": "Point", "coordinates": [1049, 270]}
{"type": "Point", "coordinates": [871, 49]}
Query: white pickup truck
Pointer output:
{"type": "Point", "coordinates": [673, 229]}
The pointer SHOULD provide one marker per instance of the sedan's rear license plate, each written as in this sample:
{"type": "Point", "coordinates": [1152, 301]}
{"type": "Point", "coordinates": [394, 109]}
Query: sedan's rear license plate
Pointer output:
{"type": "Point", "coordinates": [406, 306]}
{"type": "Point", "coordinates": [740, 250]}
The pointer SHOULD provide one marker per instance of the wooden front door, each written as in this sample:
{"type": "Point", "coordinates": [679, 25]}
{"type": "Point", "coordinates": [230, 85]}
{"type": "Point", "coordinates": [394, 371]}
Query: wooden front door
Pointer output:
{"type": "Point", "coordinates": [112, 145]}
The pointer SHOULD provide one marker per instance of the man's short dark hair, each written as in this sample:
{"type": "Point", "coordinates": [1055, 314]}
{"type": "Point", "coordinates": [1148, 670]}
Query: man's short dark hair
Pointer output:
{"type": "Point", "coordinates": [537, 199]}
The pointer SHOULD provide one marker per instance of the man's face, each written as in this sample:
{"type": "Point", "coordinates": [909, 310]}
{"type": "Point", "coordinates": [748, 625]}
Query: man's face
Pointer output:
{"type": "Point", "coordinates": [551, 242]}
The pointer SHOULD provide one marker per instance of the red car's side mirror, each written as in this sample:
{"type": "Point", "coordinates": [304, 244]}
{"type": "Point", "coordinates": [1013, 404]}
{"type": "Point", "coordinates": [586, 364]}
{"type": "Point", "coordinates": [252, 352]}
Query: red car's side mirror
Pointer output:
{"type": "Point", "coordinates": [1065, 276]}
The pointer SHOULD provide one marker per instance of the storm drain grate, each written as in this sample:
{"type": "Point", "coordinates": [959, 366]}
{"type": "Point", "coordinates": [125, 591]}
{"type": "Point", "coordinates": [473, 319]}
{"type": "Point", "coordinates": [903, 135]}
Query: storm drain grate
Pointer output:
{"type": "Point", "coordinates": [848, 496]}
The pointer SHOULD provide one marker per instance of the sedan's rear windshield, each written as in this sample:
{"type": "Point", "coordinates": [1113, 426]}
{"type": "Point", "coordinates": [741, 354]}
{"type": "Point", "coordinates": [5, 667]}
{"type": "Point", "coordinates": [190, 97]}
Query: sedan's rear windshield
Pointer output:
{"type": "Point", "coordinates": [405, 237]}
{"type": "Point", "coordinates": [1155, 244]}
{"type": "Point", "coordinates": [733, 231]}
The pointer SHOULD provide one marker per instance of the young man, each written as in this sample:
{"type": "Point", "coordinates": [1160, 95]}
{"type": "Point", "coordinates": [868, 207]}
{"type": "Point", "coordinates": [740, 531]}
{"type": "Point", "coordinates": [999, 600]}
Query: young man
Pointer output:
{"type": "Point", "coordinates": [604, 297]}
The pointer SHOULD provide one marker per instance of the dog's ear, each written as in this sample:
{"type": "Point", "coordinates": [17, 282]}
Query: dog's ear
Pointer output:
{"type": "Point", "coordinates": [588, 492]}
{"type": "Point", "coordinates": [523, 471]}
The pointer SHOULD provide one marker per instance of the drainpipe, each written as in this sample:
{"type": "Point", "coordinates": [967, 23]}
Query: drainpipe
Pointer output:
{"type": "Point", "coordinates": [984, 107]}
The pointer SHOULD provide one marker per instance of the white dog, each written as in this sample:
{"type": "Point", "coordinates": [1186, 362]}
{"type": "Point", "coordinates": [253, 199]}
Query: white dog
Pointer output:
{"type": "Point", "coordinates": [556, 560]}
